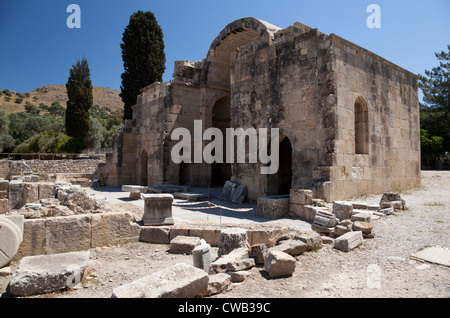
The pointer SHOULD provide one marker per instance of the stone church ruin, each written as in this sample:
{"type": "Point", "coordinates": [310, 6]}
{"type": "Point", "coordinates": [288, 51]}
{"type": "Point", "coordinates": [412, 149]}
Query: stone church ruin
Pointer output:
{"type": "Point", "coordinates": [348, 119]}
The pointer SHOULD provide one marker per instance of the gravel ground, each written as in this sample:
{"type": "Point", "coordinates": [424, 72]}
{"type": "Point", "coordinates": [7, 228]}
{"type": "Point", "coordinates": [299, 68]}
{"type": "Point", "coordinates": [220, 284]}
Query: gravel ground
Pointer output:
{"type": "Point", "coordinates": [380, 268]}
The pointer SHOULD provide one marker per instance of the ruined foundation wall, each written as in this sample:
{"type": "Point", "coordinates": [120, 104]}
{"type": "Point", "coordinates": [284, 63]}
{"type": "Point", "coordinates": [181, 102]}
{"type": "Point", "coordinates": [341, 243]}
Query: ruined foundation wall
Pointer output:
{"type": "Point", "coordinates": [392, 159]}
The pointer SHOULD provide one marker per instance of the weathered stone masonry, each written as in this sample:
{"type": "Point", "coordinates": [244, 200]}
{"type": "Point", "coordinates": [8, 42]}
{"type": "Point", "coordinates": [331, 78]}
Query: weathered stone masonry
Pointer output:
{"type": "Point", "coordinates": [348, 119]}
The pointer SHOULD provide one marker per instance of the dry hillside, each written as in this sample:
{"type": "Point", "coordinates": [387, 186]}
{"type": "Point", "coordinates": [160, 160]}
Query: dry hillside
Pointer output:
{"type": "Point", "coordinates": [103, 96]}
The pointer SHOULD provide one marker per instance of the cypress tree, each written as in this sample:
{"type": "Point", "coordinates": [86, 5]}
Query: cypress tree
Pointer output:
{"type": "Point", "coordinates": [79, 92]}
{"type": "Point", "coordinates": [143, 57]}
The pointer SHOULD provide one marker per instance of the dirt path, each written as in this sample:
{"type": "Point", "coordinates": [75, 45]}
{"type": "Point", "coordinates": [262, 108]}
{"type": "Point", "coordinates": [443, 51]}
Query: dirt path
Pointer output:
{"type": "Point", "coordinates": [381, 267]}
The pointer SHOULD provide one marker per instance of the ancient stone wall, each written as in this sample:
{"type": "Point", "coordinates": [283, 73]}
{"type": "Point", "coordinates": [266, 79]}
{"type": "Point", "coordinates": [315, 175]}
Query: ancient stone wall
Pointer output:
{"type": "Point", "coordinates": [10, 168]}
{"type": "Point", "coordinates": [390, 159]}
{"type": "Point", "coordinates": [285, 85]}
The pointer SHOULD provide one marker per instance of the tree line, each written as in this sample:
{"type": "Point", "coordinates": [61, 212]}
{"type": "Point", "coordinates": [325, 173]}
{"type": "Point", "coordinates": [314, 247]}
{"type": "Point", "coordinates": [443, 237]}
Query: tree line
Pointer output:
{"type": "Point", "coordinates": [55, 129]}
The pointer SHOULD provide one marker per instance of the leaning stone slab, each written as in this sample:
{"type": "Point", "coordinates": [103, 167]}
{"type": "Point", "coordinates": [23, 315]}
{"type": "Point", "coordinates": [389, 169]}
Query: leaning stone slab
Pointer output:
{"type": "Point", "coordinates": [178, 281]}
{"type": "Point", "coordinates": [240, 194]}
{"type": "Point", "coordinates": [157, 209]}
{"type": "Point", "coordinates": [348, 241]}
{"type": "Point", "coordinates": [48, 273]}
{"type": "Point", "coordinates": [227, 191]}
{"type": "Point", "coordinates": [279, 264]}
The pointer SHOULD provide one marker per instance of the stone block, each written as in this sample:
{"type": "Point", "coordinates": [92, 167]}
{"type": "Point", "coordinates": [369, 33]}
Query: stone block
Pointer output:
{"type": "Point", "coordinates": [46, 190]}
{"type": "Point", "coordinates": [361, 216]}
{"type": "Point", "coordinates": [178, 281]}
{"type": "Point", "coordinates": [279, 264]}
{"type": "Point", "coordinates": [343, 210]}
{"type": "Point", "coordinates": [211, 235]}
{"type": "Point", "coordinates": [310, 212]}
{"type": "Point", "coordinates": [267, 236]}
{"type": "Point", "coordinates": [227, 191]}
{"type": "Point", "coordinates": [273, 207]}
{"type": "Point", "coordinates": [183, 244]}
{"type": "Point", "coordinates": [325, 218]}
{"type": "Point", "coordinates": [157, 209]}
{"type": "Point", "coordinates": [33, 238]}
{"type": "Point", "coordinates": [48, 273]}
{"type": "Point", "coordinates": [4, 206]}
{"type": "Point", "coordinates": [155, 234]}
{"type": "Point", "coordinates": [312, 239]}
{"type": "Point", "coordinates": [240, 264]}
{"type": "Point", "coordinates": [67, 234]}
{"type": "Point", "coordinates": [341, 230]}
{"type": "Point", "coordinates": [135, 190]}
{"type": "Point", "coordinates": [321, 229]}
{"type": "Point", "coordinates": [218, 283]}
{"type": "Point", "coordinates": [387, 211]}
{"type": "Point", "coordinates": [16, 189]}
{"type": "Point", "coordinates": [364, 227]}
{"type": "Point", "coordinates": [257, 252]}
{"type": "Point", "coordinates": [113, 229]}
{"type": "Point", "coordinates": [291, 247]}
{"type": "Point", "coordinates": [348, 241]}
{"type": "Point", "coordinates": [231, 239]}
{"type": "Point", "coordinates": [240, 194]}
{"type": "Point", "coordinates": [239, 276]}
{"type": "Point", "coordinates": [301, 196]}
{"type": "Point", "coordinates": [201, 256]}
{"type": "Point", "coordinates": [220, 264]}
{"type": "Point", "coordinates": [31, 193]}
{"type": "Point", "coordinates": [4, 185]}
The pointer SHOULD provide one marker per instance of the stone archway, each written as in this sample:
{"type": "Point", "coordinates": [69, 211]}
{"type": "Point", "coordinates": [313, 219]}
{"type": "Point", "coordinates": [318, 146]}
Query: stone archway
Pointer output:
{"type": "Point", "coordinates": [284, 174]}
{"type": "Point", "coordinates": [230, 39]}
{"type": "Point", "coordinates": [221, 118]}
{"type": "Point", "coordinates": [280, 183]}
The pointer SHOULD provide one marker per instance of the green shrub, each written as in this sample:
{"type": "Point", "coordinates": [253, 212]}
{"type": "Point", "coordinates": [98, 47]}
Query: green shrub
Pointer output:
{"type": "Point", "coordinates": [19, 100]}
{"type": "Point", "coordinates": [50, 142]}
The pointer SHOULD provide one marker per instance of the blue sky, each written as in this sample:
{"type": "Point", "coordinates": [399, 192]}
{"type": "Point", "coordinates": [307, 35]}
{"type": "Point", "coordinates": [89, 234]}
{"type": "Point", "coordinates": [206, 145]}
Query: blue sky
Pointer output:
{"type": "Point", "coordinates": [37, 48]}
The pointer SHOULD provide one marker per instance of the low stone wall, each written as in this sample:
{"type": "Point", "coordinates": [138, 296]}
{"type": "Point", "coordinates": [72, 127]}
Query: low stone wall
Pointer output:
{"type": "Point", "coordinates": [77, 233]}
{"type": "Point", "coordinates": [85, 167]}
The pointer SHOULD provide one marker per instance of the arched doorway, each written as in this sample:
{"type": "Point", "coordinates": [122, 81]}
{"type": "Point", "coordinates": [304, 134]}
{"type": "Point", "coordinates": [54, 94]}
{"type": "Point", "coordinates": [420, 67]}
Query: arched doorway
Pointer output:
{"type": "Point", "coordinates": [144, 168]}
{"type": "Point", "coordinates": [284, 174]}
{"type": "Point", "coordinates": [280, 182]}
{"type": "Point", "coordinates": [221, 119]}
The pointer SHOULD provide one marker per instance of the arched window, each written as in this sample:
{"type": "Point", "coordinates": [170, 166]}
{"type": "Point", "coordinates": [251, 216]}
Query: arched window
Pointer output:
{"type": "Point", "coordinates": [361, 126]}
